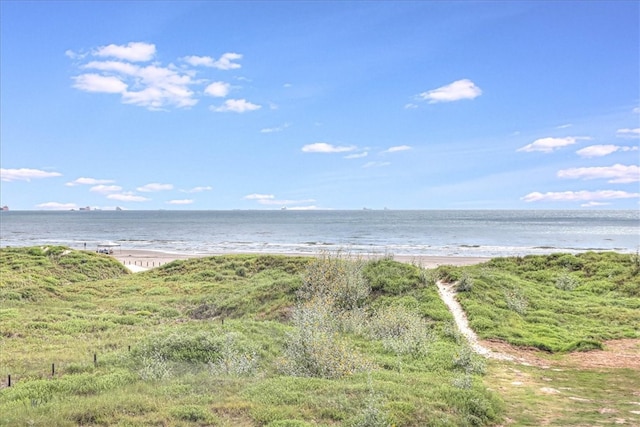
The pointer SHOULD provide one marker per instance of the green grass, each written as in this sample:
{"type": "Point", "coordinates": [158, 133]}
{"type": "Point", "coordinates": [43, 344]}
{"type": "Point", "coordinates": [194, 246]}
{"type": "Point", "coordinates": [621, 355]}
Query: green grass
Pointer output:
{"type": "Point", "coordinates": [556, 303]}
{"type": "Point", "coordinates": [204, 341]}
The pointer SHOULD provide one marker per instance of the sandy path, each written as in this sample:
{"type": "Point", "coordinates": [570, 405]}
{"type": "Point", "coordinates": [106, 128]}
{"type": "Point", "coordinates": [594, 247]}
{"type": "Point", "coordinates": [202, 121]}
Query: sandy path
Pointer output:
{"type": "Point", "coordinates": [448, 295]}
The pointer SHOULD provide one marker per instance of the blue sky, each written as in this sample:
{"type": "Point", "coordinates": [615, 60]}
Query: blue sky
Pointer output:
{"type": "Point", "coordinates": [320, 105]}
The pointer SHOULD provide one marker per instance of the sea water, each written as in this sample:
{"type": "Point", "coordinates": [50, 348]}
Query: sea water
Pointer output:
{"type": "Point", "coordinates": [419, 232]}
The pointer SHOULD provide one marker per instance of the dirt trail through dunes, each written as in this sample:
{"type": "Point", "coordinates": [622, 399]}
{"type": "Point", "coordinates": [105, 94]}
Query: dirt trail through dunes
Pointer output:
{"type": "Point", "coordinates": [448, 295]}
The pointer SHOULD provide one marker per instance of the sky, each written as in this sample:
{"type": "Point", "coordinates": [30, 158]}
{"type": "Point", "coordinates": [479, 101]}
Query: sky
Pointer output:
{"type": "Point", "coordinates": [319, 105]}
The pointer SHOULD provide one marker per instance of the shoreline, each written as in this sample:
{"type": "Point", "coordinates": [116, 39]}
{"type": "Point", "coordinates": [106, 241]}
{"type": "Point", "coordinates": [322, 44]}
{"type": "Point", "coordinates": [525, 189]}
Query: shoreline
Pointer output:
{"type": "Point", "coordinates": [138, 260]}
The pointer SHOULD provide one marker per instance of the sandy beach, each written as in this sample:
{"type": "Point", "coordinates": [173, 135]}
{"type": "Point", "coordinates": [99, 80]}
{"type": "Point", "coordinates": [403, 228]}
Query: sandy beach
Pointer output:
{"type": "Point", "coordinates": [138, 260]}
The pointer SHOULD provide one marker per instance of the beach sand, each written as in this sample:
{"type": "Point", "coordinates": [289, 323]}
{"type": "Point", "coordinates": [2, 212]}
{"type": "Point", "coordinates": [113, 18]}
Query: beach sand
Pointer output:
{"type": "Point", "coordinates": [138, 260]}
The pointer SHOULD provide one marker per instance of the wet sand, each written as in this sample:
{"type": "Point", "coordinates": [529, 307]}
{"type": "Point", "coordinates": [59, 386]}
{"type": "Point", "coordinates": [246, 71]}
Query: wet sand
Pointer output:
{"type": "Point", "coordinates": [141, 260]}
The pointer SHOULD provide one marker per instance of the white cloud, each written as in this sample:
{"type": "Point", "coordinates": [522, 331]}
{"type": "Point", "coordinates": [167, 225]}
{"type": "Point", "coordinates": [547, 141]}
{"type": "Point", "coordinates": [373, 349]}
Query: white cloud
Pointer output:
{"type": "Point", "coordinates": [55, 206]}
{"type": "Point", "coordinates": [24, 174]}
{"type": "Point", "coordinates": [218, 89]}
{"type": "Point", "coordinates": [236, 106]}
{"type": "Point", "coordinates": [628, 133]}
{"type": "Point", "coordinates": [410, 106]}
{"type": "Point", "coordinates": [257, 196]}
{"type": "Point", "coordinates": [568, 125]}
{"type": "Point", "coordinates": [636, 110]}
{"type": "Point", "coordinates": [460, 89]}
{"type": "Point", "coordinates": [357, 155]}
{"type": "Point", "coordinates": [153, 85]}
{"type": "Point", "coordinates": [198, 189]}
{"type": "Point", "coordinates": [323, 147]}
{"type": "Point", "coordinates": [616, 174]}
{"type": "Point", "coordinates": [375, 164]}
{"type": "Point", "coordinates": [127, 197]}
{"type": "Point", "coordinates": [397, 148]}
{"type": "Point", "coordinates": [547, 145]}
{"type": "Point", "coordinates": [578, 196]}
{"type": "Point", "coordinates": [89, 181]}
{"type": "Point", "coordinates": [593, 204]}
{"type": "Point", "coordinates": [180, 202]}
{"type": "Point", "coordinates": [104, 189]}
{"type": "Point", "coordinates": [602, 150]}
{"type": "Point", "coordinates": [148, 188]}
{"type": "Point", "coordinates": [226, 61]}
{"type": "Point", "coordinates": [134, 51]}
{"type": "Point", "coordinates": [98, 83]}
{"type": "Point", "coordinates": [275, 129]}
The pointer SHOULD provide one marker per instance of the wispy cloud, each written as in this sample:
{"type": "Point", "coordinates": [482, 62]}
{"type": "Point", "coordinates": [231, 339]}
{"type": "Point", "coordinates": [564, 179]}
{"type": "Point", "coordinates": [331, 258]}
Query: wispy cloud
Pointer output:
{"type": "Point", "coordinates": [592, 204]}
{"type": "Point", "coordinates": [275, 129]}
{"type": "Point", "coordinates": [602, 150]}
{"type": "Point", "coordinates": [323, 147]}
{"type": "Point", "coordinates": [127, 197]}
{"type": "Point", "coordinates": [616, 174]}
{"type": "Point", "coordinates": [153, 187]}
{"type": "Point", "coordinates": [236, 106]}
{"type": "Point", "coordinates": [547, 145]}
{"type": "Point", "coordinates": [257, 196]}
{"type": "Point", "coordinates": [579, 196]}
{"type": "Point", "coordinates": [180, 202]}
{"type": "Point", "coordinates": [357, 155]}
{"type": "Point", "coordinates": [456, 91]}
{"type": "Point", "coordinates": [198, 189]}
{"type": "Point", "coordinates": [88, 181]}
{"type": "Point", "coordinates": [568, 125]}
{"type": "Point", "coordinates": [105, 189]}
{"type": "Point", "coordinates": [270, 200]}
{"type": "Point", "coordinates": [375, 164]}
{"type": "Point", "coordinates": [226, 61]}
{"type": "Point", "coordinates": [25, 174]}
{"type": "Point", "coordinates": [56, 206]}
{"type": "Point", "coordinates": [628, 133]}
{"type": "Point", "coordinates": [397, 148]}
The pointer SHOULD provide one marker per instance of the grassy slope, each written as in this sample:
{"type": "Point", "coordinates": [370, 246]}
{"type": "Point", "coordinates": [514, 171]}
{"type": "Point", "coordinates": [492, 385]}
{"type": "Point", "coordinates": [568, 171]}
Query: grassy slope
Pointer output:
{"type": "Point", "coordinates": [155, 333]}
{"type": "Point", "coordinates": [556, 303]}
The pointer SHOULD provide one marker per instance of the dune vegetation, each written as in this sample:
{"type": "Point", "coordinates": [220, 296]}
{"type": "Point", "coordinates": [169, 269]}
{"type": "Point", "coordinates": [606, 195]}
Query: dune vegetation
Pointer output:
{"type": "Point", "coordinates": [262, 340]}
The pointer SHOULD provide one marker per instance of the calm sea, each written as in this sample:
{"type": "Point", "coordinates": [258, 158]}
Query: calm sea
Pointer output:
{"type": "Point", "coordinates": [443, 233]}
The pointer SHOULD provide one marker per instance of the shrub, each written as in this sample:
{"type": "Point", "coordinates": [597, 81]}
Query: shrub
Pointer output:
{"type": "Point", "coordinates": [465, 284]}
{"type": "Point", "coordinates": [400, 330]}
{"type": "Point", "coordinates": [469, 361]}
{"type": "Point", "coordinates": [233, 362]}
{"type": "Point", "coordinates": [191, 413]}
{"type": "Point", "coordinates": [567, 282]}
{"type": "Point", "coordinates": [516, 301]}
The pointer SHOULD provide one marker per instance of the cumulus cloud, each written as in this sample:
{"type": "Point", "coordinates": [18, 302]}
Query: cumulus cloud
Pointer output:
{"type": "Point", "coordinates": [89, 181]}
{"type": "Point", "coordinates": [133, 51]}
{"type": "Point", "coordinates": [579, 196]}
{"type": "Point", "coordinates": [198, 189]}
{"type": "Point", "coordinates": [602, 150]}
{"type": "Point", "coordinates": [148, 188]}
{"type": "Point", "coordinates": [25, 174]}
{"type": "Point", "coordinates": [98, 83]}
{"type": "Point", "coordinates": [56, 206]}
{"type": "Point", "coordinates": [375, 164]}
{"type": "Point", "coordinates": [105, 189]}
{"type": "Point", "coordinates": [616, 174]}
{"type": "Point", "coordinates": [460, 89]}
{"type": "Point", "coordinates": [628, 133]}
{"type": "Point", "coordinates": [226, 61]}
{"type": "Point", "coordinates": [357, 155]}
{"type": "Point", "coordinates": [547, 145]}
{"type": "Point", "coordinates": [218, 89]}
{"type": "Point", "coordinates": [180, 202]}
{"type": "Point", "coordinates": [121, 69]}
{"type": "Point", "coordinates": [127, 197]}
{"type": "Point", "coordinates": [236, 106]}
{"type": "Point", "coordinates": [323, 147]}
{"type": "Point", "coordinates": [397, 148]}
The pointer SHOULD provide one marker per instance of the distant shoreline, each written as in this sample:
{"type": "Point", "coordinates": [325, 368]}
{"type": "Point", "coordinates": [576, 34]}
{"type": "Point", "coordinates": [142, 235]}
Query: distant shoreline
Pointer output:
{"type": "Point", "coordinates": [143, 259]}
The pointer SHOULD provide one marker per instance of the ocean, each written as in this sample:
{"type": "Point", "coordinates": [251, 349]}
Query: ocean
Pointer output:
{"type": "Point", "coordinates": [421, 232]}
